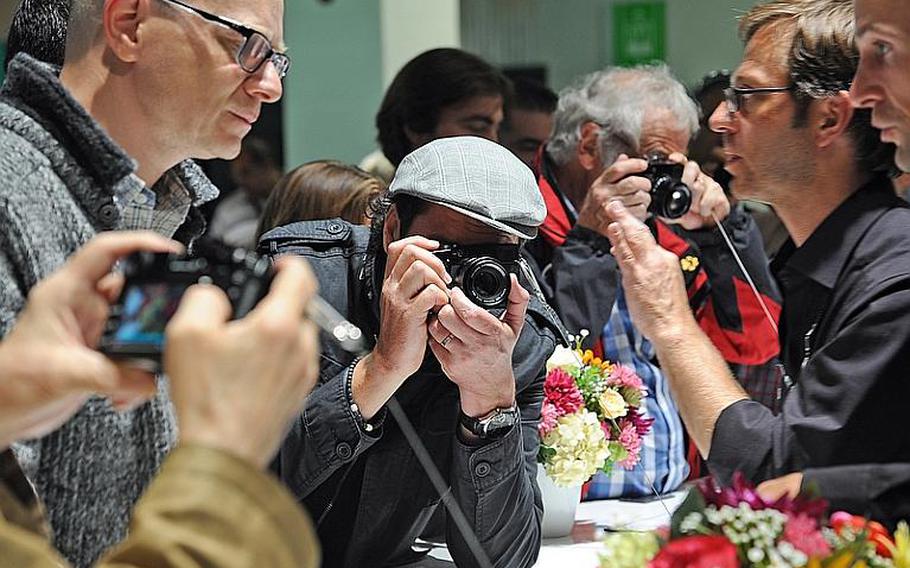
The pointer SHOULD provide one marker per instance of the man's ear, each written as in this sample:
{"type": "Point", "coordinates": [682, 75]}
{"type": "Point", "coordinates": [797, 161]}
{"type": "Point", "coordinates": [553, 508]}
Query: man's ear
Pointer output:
{"type": "Point", "coordinates": [391, 229]}
{"type": "Point", "coordinates": [588, 150]}
{"type": "Point", "coordinates": [121, 20]}
{"type": "Point", "coordinates": [833, 118]}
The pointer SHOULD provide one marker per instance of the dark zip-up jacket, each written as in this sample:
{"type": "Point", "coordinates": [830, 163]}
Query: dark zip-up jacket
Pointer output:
{"type": "Point", "coordinates": [379, 496]}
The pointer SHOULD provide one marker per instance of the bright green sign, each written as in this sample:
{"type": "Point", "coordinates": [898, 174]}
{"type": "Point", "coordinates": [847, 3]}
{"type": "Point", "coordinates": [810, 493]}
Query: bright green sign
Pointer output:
{"type": "Point", "coordinates": [639, 32]}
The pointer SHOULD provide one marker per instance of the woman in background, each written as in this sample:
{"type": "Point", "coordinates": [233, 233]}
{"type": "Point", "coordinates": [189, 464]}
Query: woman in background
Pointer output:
{"type": "Point", "coordinates": [323, 189]}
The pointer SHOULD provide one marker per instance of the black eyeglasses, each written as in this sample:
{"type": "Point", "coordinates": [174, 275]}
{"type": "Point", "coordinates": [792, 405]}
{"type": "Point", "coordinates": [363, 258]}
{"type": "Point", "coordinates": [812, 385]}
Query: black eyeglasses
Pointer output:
{"type": "Point", "coordinates": [256, 48]}
{"type": "Point", "coordinates": [734, 95]}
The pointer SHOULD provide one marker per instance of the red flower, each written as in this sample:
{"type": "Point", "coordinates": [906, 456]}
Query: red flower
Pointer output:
{"type": "Point", "coordinates": [562, 392]}
{"type": "Point", "coordinates": [697, 552]}
{"type": "Point", "coordinates": [876, 532]}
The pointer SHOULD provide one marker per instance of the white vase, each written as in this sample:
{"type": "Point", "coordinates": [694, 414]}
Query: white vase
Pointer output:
{"type": "Point", "coordinates": [559, 504]}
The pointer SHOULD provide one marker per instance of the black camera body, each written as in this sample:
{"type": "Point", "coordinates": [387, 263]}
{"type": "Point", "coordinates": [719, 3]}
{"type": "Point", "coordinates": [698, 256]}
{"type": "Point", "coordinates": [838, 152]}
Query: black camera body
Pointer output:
{"type": "Point", "coordinates": [482, 271]}
{"type": "Point", "coordinates": [670, 197]}
{"type": "Point", "coordinates": [155, 283]}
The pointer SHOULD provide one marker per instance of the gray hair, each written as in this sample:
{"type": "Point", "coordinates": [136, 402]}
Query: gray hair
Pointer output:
{"type": "Point", "coordinates": [617, 100]}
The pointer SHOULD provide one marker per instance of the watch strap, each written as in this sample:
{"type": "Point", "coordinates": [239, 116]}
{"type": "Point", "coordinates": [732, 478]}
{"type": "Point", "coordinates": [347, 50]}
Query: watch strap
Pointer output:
{"type": "Point", "coordinates": [499, 420]}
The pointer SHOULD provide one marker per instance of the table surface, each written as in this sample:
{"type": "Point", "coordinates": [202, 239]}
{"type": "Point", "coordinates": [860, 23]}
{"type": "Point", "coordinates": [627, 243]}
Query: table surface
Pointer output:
{"type": "Point", "coordinates": [591, 519]}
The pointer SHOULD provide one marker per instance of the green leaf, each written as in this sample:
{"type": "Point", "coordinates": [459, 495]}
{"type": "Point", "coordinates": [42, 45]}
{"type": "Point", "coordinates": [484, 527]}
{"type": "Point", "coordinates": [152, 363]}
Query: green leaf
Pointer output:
{"type": "Point", "coordinates": [693, 503]}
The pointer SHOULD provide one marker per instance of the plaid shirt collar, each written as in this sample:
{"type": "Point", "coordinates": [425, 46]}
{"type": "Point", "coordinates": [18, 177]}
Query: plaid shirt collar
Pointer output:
{"type": "Point", "coordinates": [162, 208]}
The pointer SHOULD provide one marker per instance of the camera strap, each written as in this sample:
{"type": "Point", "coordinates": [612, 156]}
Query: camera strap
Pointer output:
{"type": "Point", "coordinates": [439, 483]}
{"type": "Point", "coordinates": [742, 268]}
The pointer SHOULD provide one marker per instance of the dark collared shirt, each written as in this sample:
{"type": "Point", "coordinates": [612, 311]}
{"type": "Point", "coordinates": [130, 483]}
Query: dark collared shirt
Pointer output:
{"type": "Point", "coordinates": [845, 338]}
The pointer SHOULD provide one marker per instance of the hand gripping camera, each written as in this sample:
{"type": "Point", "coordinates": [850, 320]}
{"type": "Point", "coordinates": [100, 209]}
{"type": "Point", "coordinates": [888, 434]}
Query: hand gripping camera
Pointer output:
{"type": "Point", "coordinates": [670, 197]}
{"type": "Point", "coordinates": [481, 271]}
{"type": "Point", "coordinates": [155, 283]}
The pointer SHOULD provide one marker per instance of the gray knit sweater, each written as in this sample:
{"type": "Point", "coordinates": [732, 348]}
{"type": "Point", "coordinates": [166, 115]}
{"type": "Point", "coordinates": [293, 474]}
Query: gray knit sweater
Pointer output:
{"type": "Point", "coordinates": [58, 169]}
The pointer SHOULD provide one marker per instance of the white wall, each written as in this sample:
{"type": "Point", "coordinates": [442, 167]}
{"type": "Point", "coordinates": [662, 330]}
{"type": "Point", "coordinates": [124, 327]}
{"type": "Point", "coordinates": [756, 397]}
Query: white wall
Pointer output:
{"type": "Point", "coordinates": [410, 27]}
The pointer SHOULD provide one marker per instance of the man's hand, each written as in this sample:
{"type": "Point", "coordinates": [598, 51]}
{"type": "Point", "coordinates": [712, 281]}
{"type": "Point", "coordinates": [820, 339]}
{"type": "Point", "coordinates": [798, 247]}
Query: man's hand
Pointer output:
{"type": "Point", "coordinates": [48, 365]}
{"type": "Point", "coordinates": [651, 278]}
{"type": "Point", "coordinates": [708, 198]}
{"type": "Point", "coordinates": [415, 285]}
{"type": "Point", "coordinates": [785, 486]}
{"type": "Point", "coordinates": [616, 183]}
{"type": "Point", "coordinates": [237, 384]}
{"type": "Point", "coordinates": [475, 349]}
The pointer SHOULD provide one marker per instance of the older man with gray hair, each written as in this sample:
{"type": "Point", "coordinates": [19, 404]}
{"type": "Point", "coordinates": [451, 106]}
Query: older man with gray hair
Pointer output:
{"type": "Point", "coordinates": [606, 126]}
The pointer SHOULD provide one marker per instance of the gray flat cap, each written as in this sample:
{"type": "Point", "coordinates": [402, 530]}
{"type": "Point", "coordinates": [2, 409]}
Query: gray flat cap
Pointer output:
{"type": "Point", "coordinates": [477, 178]}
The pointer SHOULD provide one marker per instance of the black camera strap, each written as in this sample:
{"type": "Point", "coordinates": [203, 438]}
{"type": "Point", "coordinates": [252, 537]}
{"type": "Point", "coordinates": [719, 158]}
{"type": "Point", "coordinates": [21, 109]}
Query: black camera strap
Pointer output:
{"type": "Point", "coordinates": [439, 483]}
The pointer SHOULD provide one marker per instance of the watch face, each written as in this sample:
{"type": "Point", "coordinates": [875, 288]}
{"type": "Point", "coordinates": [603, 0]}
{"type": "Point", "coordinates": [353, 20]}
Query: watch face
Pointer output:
{"type": "Point", "coordinates": [502, 420]}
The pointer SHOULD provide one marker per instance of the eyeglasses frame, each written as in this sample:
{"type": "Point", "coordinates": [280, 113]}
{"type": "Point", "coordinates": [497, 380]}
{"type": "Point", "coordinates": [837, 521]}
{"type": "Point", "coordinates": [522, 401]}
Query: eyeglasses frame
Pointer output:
{"type": "Point", "coordinates": [283, 63]}
{"type": "Point", "coordinates": [733, 96]}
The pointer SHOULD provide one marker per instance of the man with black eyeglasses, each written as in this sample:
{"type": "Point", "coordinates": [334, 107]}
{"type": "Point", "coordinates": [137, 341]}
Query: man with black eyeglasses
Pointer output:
{"type": "Point", "coordinates": [793, 138]}
{"type": "Point", "coordinates": [104, 144]}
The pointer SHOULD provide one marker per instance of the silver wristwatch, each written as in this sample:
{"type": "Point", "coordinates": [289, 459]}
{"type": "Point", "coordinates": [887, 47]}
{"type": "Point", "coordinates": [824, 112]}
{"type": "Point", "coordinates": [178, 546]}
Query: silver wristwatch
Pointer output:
{"type": "Point", "coordinates": [496, 423]}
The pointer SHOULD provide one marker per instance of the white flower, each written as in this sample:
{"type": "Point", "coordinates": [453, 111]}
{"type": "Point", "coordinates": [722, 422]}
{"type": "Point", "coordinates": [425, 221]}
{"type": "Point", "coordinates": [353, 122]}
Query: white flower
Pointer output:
{"type": "Point", "coordinates": [612, 404]}
{"type": "Point", "coordinates": [563, 358]}
{"type": "Point", "coordinates": [581, 449]}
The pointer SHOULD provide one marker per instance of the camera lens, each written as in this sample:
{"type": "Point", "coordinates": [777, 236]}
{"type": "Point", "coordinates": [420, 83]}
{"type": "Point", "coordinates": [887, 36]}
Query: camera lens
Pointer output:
{"type": "Point", "coordinates": [670, 199]}
{"type": "Point", "coordinates": [678, 201]}
{"type": "Point", "coordinates": [486, 282]}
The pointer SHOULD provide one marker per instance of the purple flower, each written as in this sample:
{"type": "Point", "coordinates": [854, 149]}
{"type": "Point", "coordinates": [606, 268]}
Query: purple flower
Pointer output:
{"type": "Point", "coordinates": [744, 492]}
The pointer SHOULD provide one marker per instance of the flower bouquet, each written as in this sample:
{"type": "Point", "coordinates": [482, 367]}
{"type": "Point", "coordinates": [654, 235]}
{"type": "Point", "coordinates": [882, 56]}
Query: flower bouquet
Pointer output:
{"type": "Point", "coordinates": [591, 417]}
{"type": "Point", "coordinates": [733, 527]}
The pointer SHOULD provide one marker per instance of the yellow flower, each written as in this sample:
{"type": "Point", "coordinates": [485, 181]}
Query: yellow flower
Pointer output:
{"type": "Point", "coordinates": [587, 357]}
{"type": "Point", "coordinates": [613, 404]}
{"type": "Point", "coordinates": [689, 263]}
{"type": "Point", "coordinates": [900, 550]}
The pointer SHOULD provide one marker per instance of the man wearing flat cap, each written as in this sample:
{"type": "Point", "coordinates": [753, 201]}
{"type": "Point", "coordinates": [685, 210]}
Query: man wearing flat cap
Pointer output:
{"type": "Point", "coordinates": [438, 287]}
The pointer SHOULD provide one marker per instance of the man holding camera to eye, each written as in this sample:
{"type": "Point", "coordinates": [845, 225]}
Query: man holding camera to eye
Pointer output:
{"type": "Point", "coordinates": [794, 139]}
{"type": "Point", "coordinates": [458, 342]}
{"type": "Point", "coordinates": [103, 144]}
{"type": "Point", "coordinates": [601, 121]}
{"type": "Point", "coordinates": [235, 385]}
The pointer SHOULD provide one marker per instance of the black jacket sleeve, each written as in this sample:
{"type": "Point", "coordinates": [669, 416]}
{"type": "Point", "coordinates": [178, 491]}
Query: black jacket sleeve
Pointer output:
{"type": "Point", "coordinates": [880, 491]}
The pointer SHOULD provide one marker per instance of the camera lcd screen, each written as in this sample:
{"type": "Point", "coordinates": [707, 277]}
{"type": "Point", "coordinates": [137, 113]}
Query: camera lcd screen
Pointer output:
{"type": "Point", "coordinates": [147, 307]}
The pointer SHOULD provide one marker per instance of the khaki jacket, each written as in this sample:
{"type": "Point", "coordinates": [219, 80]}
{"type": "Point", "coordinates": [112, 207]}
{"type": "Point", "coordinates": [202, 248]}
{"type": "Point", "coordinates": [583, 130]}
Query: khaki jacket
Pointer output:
{"type": "Point", "coordinates": [205, 508]}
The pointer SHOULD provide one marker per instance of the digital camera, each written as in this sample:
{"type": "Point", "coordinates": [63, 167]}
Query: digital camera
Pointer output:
{"type": "Point", "coordinates": [481, 271]}
{"type": "Point", "coordinates": [670, 197]}
{"type": "Point", "coordinates": [155, 283]}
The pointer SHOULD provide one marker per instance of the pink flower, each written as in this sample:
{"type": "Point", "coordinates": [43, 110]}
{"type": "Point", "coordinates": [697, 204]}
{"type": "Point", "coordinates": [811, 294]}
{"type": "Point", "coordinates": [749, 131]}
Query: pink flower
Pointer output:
{"type": "Point", "coordinates": [803, 533]}
{"type": "Point", "coordinates": [632, 443]}
{"type": "Point", "coordinates": [548, 417]}
{"type": "Point", "coordinates": [623, 376]}
{"type": "Point", "coordinates": [562, 392]}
